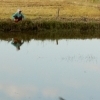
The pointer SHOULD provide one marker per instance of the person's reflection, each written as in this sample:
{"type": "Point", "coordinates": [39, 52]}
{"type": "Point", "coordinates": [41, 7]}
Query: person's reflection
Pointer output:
{"type": "Point", "coordinates": [17, 43]}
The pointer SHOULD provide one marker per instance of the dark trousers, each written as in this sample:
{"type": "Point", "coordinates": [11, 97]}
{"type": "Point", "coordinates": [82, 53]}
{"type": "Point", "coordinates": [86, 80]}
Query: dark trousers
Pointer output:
{"type": "Point", "coordinates": [19, 18]}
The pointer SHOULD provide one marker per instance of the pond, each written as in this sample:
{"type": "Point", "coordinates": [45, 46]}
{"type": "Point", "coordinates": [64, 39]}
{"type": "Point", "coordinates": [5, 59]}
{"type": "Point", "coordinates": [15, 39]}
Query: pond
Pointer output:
{"type": "Point", "coordinates": [64, 69]}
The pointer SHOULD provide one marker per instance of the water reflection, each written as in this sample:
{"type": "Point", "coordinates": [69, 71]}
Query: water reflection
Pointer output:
{"type": "Point", "coordinates": [57, 41]}
{"type": "Point", "coordinates": [42, 70]}
{"type": "Point", "coordinates": [17, 43]}
{"type": "Point", "coordinates": [80, 58]}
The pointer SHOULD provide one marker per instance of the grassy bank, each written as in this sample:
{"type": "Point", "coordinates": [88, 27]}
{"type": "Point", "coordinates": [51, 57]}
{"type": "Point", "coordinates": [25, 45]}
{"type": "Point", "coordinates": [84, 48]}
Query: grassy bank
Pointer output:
{"type": "Point", "coordinates": [41, 25]}
{"type": "Point", "coordinates": [80, 15]}
{"type": "Point", "coordinates": [50, 29]}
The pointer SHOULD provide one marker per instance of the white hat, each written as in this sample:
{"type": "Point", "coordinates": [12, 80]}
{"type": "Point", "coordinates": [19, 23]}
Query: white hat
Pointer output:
{"type": "Point", "coordinates": [18, 10]}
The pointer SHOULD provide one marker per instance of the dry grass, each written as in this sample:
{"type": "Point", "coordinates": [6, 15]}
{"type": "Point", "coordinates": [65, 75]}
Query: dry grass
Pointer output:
{"type": "Point", "coordinates": [49, 8]}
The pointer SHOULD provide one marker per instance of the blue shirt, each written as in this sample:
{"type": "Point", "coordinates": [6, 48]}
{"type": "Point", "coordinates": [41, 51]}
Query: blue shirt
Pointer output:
{"type": "Point", "coordinates": [17, 15]}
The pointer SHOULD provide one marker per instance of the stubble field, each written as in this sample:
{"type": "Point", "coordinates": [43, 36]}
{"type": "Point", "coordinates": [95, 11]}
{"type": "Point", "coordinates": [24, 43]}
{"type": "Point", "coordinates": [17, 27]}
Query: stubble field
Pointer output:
{"type": "Point", "coordinates": [41, 9]}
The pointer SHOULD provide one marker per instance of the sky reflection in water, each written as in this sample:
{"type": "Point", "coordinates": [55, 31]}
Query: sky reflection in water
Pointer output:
{"type": "Point", "coordinates": [43, 70]}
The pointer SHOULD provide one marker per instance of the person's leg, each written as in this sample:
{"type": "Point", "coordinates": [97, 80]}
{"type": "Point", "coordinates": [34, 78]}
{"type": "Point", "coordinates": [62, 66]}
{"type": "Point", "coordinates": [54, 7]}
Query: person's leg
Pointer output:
{"type": "Point", "coordinates": [16, 19]}
{"type": "Point", "coordinates": [20, 18]}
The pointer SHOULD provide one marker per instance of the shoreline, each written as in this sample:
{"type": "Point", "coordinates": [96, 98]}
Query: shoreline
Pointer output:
{"type": "Point", "coordinates": [40, 24]}
{"type": "Point", "coordinates": [50, 29]}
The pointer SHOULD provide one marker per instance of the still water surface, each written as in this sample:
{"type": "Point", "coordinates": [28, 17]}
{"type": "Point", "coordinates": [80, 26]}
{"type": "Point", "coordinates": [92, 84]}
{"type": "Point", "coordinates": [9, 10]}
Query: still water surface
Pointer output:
{"type": "Point", "coordinates": [47, 70]}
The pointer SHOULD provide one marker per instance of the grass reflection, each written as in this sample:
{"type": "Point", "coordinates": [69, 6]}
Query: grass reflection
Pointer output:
{"type": "Point", "coordinates": [53, 35]}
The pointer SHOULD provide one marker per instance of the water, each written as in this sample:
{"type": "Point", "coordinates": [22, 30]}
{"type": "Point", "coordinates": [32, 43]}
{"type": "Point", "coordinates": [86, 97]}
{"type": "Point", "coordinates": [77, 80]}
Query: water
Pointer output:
{"type": "Point", "coordinates": [50, 70]}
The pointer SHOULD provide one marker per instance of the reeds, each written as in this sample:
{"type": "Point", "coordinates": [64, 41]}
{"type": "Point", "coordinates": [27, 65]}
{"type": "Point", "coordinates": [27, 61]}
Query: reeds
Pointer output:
{"type": "Point", "coordinates": [49, 29]}
{"type": "Point", "coordinates": [31, 25]}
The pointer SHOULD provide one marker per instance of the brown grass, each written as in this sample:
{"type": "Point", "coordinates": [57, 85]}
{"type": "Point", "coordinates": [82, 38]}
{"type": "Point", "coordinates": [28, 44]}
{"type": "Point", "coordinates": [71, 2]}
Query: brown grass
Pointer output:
{"type": "Point", "coordinates": [49, 8]}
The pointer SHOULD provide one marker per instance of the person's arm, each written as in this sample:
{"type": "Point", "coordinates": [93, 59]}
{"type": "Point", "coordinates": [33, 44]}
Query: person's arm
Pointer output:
{"type": "Point", "coordinates": [14, 15]}
{"type": "Point", "coordinates": [23, 17]}
{"type": "Point", "coordinates": [22, 41]}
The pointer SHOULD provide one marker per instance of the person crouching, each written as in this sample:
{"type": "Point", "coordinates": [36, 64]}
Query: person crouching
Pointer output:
{"type": "Point", "coordinates": [18, 16]}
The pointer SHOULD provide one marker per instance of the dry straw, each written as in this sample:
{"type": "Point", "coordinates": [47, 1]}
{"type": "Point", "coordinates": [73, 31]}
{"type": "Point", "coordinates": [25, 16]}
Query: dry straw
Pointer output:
{"type": "Point", "coordinates": [49, 8]}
